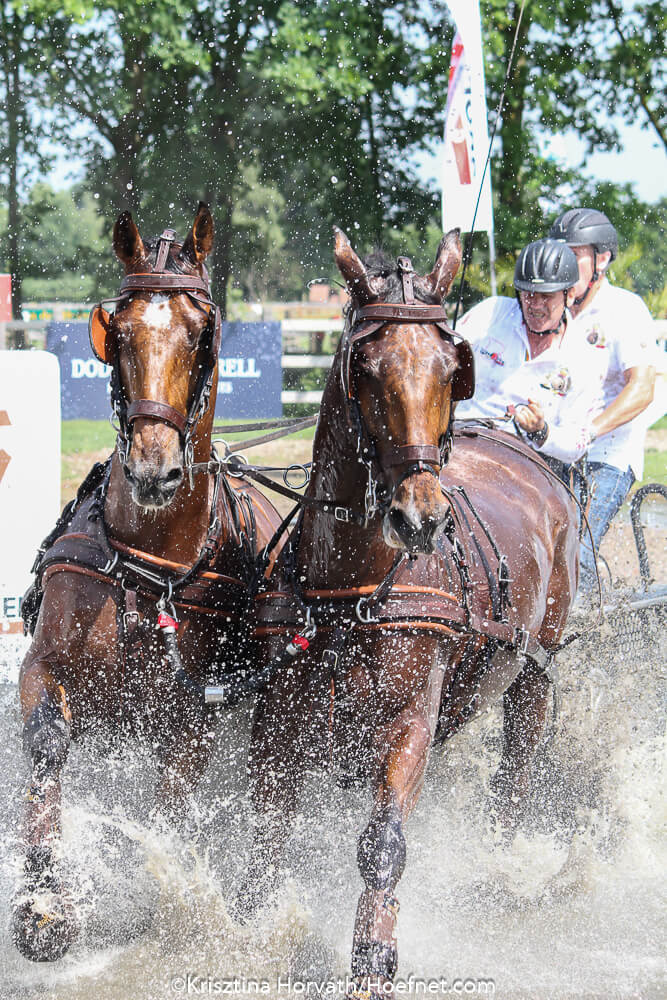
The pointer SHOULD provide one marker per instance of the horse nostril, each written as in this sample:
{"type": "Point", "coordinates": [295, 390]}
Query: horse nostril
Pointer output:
{"type": "Point", "coordinates": [174, 476]}
{"type": "Point", "coordinates": [401, 524]}
{"type": "Point", "coordinates": [126, 470]}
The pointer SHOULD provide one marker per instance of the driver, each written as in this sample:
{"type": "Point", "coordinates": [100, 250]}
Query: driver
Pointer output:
{"type": "Point", "coordinates": [529, 362]}
{"type": "Point", "coordinates": [619, 326]}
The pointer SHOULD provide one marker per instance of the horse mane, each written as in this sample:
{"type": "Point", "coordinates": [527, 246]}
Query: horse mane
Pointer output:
{"type": "Point", "coordinates": [379, 264]}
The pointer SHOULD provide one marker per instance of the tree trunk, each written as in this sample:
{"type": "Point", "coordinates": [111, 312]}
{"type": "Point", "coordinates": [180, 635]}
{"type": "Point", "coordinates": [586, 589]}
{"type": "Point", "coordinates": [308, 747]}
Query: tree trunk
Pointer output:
{"type": "Point", "coordinates": [223, 207]}
{"type": "Point", "coordinates": [14, 116]}
{"type": "Point", "coordinates": [374, 164]}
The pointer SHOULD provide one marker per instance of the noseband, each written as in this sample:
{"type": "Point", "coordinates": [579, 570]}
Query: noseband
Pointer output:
{"type": "Point", "coordinates": [367, 320]}
{"type": "Point", "coordinates": [100, 333]}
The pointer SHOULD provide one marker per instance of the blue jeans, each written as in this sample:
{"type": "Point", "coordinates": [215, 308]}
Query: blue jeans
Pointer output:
{"type": "Point", "coordinates": [609, 487]}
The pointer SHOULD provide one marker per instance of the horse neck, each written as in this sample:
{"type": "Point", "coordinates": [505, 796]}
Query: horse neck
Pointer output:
{"type": "Point", "coordinates": [332, 553]}
{"type": "Point", "coordinates": [176, 532]}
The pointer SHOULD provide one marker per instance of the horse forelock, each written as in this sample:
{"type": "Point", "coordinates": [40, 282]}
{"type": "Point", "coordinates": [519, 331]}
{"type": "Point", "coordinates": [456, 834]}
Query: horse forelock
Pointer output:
{"type": "Point", "coordinates": [380, 265]}
{"type": "Point", "coordinates": [175, 262]}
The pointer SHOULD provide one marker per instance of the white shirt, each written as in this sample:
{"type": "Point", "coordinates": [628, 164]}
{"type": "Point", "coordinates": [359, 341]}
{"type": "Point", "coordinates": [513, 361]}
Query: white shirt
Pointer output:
{"type": "Point", "coordinates": [620, 326]}
{"type": "Point", "coordinates": [566, 379]}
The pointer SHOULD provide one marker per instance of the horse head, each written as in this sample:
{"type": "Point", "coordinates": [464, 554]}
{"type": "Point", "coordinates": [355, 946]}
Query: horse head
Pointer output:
{"type": "Point", "coordinates": [402, 371]}
{"type": "Point", "coordinates": [161, 342]}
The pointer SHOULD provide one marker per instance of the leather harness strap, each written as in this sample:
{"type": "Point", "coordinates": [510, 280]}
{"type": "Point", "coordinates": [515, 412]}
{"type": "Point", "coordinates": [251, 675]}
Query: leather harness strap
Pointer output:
{"type": "Point", "coordinates": [407, 274]}
{"type": "Point", "coordinates": [166, 239]}
{"type": "Point", "coordinates": [279, 612]}
{"type": "Point", "coordinates": [398, 454]}
{"type": "Point", "coordinates": [157, 411]}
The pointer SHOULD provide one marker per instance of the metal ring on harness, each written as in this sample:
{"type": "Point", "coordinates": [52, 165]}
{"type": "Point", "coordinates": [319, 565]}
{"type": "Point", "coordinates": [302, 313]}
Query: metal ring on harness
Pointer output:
{"type": "Point", "coordinates": [290, 471]}
{"type": "Point", "coordinates": [233, 463]}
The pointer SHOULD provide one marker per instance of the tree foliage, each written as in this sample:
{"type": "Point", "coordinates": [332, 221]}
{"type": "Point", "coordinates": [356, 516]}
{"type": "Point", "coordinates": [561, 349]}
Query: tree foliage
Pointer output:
{"type": "Point", "coordinates": [290, 116]}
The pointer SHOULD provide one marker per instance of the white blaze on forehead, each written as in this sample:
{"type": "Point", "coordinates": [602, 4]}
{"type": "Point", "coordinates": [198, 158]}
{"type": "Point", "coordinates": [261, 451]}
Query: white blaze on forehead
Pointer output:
{"type": "Point", "coordinates": [158, 312]}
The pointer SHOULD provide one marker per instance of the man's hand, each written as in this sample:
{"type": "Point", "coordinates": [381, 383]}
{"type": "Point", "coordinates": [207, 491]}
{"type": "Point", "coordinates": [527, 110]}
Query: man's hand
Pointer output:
{"type": "Point", "coordinates": [529, 417]}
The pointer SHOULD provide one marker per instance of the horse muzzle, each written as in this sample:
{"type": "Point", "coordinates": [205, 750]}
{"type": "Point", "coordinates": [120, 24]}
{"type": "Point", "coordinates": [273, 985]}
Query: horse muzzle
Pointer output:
{"type": "Point", "coordinates": [154, 491]}
{"type": "Point", "coordinates": [404, 527]}
{"type": "Point", "coordinates": [154, 465]}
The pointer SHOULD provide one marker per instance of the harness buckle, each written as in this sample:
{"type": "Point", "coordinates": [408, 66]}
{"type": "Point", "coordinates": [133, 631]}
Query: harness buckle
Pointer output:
{"type": "Point", "coordinates": [342, 514]}
{"type": "Point", "coordinates": [130, 620]}
{"type": "Point", "coordinates": [366, 618]}
{"type": "Point", "coordinates": [110, 565]}
{"type": "Point", "coordinates": [330, 658]}
{"type": "Point", "coordinates": [523, 638]}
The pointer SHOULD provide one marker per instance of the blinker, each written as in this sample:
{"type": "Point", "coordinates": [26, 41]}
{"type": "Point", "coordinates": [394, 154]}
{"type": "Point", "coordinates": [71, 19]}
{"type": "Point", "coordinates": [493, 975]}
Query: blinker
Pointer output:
{"type": "Point", "coordinates": [99, 333]}
{"type": "Point", "coordinates": [463, 382]}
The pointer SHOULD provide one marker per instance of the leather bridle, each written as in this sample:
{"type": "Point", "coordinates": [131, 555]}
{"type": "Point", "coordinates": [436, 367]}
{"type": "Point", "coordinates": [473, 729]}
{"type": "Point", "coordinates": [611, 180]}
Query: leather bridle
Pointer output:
{"type": "Point", "coordinates": [362, 323]}
{"type": "Point", "coordinates": [100, 329]}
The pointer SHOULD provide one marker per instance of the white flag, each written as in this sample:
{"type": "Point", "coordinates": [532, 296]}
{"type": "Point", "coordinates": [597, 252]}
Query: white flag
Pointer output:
{"type": "Point", "coordinates": [466, 134]}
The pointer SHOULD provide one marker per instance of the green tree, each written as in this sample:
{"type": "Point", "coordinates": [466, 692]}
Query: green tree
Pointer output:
{"type": "Point", "coordinates": [356, 90]}
{"type": "Point", "coordinates": [21, 75]}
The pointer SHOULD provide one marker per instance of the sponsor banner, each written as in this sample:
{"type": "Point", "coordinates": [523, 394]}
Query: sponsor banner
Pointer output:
{"type": "Point", "coordinates": [249, 371]}
{"type": "Point", "coordinates": [29, 471]}
{"type": "Point", "coordinates": [466, 134]}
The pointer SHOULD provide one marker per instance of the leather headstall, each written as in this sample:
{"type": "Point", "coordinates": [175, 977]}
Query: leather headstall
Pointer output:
{"type": "Point", "coordinates": [102, 342]}
{"type": "Point", "coordinates": [367, 320]}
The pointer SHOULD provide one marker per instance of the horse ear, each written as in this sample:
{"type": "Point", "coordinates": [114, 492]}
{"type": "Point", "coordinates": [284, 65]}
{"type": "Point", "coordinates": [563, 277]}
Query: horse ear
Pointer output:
{"type": "Point", "coordinates": [447, 263]}
{"type": "Point", "coordinates": [360, 286]}
{"type": "Point", "coordinates": [199, 241]}
{"type": "Point", "coordinates": [127, 242]}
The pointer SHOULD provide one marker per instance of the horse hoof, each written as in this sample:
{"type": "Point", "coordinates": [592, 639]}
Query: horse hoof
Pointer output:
{"type": "Point", "coordinates": [44, 934]}
{"type": "Point", "coordinates": [357, 992]}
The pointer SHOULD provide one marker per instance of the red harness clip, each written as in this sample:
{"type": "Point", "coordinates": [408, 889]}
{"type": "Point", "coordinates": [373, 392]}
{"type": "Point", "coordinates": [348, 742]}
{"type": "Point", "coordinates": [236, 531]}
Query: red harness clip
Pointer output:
{"type": "Point", "coordinates": [166, 621]}
{"type": "Point", "coordinates": [300, 642]}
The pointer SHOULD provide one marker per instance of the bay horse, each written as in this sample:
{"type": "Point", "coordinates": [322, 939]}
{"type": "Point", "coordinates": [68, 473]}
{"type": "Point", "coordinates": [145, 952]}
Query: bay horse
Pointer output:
{"type": "Point", "coordinates": [157, 534]}
{"type": "Point", "coordinates": [425, 590]}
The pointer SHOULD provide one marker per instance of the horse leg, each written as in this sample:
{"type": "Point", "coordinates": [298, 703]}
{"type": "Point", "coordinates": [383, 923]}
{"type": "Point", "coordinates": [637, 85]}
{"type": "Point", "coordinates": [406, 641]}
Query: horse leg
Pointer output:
{"type": "Point", "coordinates": [525, 705]}
{"type": "Point", "coordinates": [276, 768]}
{"type": "Point", "coordinates": [186, 757]}
{"type": "Point", "coordinates": [43, 922]}
{"type": "Point", "coordinates": [382, 851]}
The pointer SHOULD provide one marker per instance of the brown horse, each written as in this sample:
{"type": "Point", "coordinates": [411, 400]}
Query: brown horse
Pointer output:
{"type": "Point", "coordinates": [160, 530]}
{"type": "Point", "coordinates": [434, 591]}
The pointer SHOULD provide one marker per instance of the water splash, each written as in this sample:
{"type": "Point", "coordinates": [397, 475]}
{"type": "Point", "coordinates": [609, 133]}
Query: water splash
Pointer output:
{"type": "Point", "coordinates": [570, 909]}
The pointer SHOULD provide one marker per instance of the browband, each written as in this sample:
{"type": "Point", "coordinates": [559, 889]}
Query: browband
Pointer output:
{"type": "Point", "coordinates": [403, 310]}
{"type": "Point", "coordinates": [153, 281]}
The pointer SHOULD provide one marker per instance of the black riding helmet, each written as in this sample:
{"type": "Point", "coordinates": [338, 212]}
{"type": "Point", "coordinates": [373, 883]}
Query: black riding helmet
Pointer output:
{"type": "Point", "coordinates": [579, 227]}
{"type": "Point", "coordinates": [545, 266]}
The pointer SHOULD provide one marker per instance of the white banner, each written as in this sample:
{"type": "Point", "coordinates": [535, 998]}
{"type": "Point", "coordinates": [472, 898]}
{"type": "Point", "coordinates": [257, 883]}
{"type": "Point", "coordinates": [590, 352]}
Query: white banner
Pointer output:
{"type": "Point", "coordinates": [466, 134]}
{"type": "Point", "coordinates": [29, 471]}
